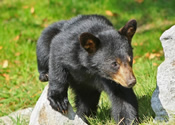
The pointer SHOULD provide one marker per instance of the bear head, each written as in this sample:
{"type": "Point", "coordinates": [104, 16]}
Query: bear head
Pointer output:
{"type": "Point", "coordinates": [110, 53]}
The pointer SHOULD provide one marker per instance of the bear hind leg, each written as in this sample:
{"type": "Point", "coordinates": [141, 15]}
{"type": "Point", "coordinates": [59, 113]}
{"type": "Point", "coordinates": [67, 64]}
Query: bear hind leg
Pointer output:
{"type": "Point", "coordinates": [43, 48]}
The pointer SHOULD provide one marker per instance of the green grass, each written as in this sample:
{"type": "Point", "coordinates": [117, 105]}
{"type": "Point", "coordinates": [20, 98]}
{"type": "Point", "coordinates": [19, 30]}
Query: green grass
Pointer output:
{"type": "Point", "coordinates": [21, 23]}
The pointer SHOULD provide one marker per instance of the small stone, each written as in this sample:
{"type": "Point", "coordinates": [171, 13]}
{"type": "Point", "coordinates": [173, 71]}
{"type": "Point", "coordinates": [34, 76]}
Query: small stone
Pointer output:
{"type": "Point", "coordinates": [43, 114]}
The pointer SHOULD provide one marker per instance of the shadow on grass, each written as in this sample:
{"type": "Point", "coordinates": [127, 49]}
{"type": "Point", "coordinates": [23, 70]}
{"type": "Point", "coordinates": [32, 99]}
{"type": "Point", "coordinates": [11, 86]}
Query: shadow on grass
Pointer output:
{"type": "Point", "coordinates": [145, 110]}
{"type": "Point", "coordinates": [103, 116]}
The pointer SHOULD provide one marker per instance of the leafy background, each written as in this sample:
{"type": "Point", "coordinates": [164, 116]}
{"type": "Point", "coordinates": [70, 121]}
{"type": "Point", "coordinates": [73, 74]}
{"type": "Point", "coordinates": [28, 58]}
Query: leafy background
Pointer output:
{"type": "Point", "coordinates": [21, 23]}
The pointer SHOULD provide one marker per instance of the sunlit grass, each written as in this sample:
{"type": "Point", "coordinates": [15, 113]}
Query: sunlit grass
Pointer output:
{"type": "Point", "coordinates": [21, 23]}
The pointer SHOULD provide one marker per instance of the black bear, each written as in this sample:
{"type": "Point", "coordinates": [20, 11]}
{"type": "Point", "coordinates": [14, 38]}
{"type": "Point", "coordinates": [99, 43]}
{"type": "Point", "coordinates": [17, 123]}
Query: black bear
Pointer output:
{"type": "Point", "coordinates": [89, 55]}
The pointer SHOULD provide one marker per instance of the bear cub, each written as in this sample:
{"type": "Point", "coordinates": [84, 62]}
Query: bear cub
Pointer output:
{"type": "Point", "coordinates": [89, 55]}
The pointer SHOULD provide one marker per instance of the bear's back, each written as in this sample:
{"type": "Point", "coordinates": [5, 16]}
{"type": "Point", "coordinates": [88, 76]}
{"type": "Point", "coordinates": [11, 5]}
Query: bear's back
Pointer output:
{"type": "Point", "coordinates": [83, 19]}
{"type": "Point", "coordinates": [86, 23]}
{"type": "Point", "coordinates": [66, 47]}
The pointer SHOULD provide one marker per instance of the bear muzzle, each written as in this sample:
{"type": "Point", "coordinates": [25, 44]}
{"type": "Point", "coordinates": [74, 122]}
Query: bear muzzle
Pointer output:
{"type": "Point", "coordinates": [124, 76]}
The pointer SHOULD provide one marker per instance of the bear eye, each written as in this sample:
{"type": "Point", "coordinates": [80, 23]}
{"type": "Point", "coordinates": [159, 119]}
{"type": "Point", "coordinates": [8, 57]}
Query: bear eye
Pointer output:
{"type": "Point", "coordinates": [114, 64]}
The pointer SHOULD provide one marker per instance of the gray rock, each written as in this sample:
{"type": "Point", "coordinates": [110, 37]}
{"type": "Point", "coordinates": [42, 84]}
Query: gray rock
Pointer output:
{"type": "Point", "coordinates": [163, 98]}
{"type": "Point", "coordinates": [18, 116]}
{"type": "Point", "coordinates": [43, 114]}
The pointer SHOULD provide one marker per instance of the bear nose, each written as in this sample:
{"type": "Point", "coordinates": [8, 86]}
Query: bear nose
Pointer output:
{"type": "Point", "coordinates": [131, 83]}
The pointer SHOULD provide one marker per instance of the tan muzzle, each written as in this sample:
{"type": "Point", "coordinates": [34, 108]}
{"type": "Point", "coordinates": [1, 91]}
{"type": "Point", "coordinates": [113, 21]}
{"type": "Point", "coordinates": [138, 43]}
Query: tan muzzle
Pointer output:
{"type": "Point", "coordinates": [124, 76]}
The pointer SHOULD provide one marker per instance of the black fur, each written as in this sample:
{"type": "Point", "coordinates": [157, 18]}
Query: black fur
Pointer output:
{"type": "Point", "coordinates": [82, 54]}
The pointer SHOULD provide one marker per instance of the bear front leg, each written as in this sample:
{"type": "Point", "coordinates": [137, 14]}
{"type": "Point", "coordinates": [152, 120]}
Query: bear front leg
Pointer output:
{"type": "Point", "coordinates": [58, 87]}
{"type": "Point", "coordinates": [58, 99]}
{"type": "Point", "coordinates": [124, 104]}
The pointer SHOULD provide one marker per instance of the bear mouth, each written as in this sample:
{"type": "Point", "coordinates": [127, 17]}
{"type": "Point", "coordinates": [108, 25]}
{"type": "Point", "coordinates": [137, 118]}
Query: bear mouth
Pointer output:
{"type": "Point", "coordinates": [125, 83]}
{"type": "Point", "coordinates": [120, 81]}
{"type": "Point", "coordinates": [124, 76]}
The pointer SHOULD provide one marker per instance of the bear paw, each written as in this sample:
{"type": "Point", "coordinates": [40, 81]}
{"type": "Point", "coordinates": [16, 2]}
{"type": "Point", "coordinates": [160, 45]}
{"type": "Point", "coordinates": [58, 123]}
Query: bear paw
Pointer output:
{"type": "Point", "coordinates": [59, 103]}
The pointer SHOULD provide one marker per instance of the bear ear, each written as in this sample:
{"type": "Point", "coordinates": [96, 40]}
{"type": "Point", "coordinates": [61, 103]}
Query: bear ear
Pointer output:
{"type": "Point", "coordinates": [89, 42]}
{"type": "Point", "coordinates": [129, 29]}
